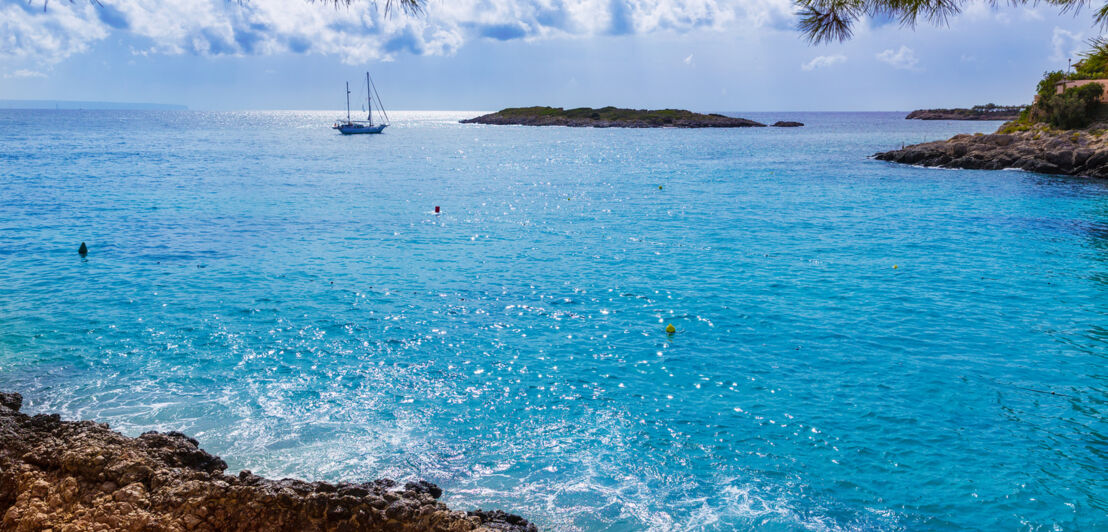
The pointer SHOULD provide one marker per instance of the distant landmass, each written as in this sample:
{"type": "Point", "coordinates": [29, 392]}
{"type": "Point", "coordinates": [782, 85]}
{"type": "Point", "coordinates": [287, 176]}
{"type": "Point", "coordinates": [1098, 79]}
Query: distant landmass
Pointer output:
{"type": "Point", "coordinates": [608, 117]}
{"type": "Point", "coordinates": [68, 104]}
{"type": "Point", "coordinates": [978, 112]}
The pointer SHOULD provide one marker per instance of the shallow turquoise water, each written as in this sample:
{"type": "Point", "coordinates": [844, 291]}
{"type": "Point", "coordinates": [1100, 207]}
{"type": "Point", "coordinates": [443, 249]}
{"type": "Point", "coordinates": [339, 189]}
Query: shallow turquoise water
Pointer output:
{"type": "Point", "coordinates": [287, 296]}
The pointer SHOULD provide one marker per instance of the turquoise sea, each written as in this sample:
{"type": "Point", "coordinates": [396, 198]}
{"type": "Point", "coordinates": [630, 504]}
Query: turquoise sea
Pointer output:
{"type": "Point", "coordinates": [860, 345]}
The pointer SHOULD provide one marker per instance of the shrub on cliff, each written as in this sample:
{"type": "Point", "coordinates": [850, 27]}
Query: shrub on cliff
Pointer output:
{"type": "Point", "coordinates": [1075, 107]}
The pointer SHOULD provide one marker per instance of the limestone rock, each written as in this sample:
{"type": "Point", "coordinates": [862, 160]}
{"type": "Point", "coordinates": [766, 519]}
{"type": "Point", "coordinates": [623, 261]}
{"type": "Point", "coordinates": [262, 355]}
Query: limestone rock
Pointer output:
{"type": "Point", "coordinates": [80, 476]}
{"type": "Point", "coordinates": [1042, 150]}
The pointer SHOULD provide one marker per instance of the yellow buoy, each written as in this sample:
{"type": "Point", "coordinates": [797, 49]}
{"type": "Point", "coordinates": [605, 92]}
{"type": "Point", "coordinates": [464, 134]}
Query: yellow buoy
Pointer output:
{"type": "Point", "coordinates": [895, 266]}
{"type": "Point", "coordinates": [670, 329]}
{"type": "Point", "coordinates": [659, 187]}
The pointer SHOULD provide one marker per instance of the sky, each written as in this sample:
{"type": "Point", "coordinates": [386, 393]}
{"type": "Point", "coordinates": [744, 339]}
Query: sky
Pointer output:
{"type": "Point", "coordinates": [703, 55]}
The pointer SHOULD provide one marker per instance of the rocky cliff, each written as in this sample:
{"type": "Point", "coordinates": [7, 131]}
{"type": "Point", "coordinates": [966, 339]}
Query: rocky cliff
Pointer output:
{"type": "Point", "coordinates": [1038, 149]}
{"type": "Point", "coordinates": [81, 476]}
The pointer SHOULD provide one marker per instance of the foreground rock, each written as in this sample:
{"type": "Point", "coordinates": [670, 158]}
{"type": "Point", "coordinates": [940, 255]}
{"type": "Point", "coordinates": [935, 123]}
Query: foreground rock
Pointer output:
{"type": "Point", "coordinates": [608, 117]}
{"type": "Point", "coordinates": [1078, 153]}
{"type": "Point", "coordinates": [975, 113]}
{"type": "Point", "coordinates": [80, 476]}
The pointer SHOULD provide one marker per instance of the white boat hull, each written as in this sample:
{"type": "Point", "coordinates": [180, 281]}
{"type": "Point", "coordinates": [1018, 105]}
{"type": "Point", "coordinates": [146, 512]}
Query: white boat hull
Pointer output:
{"type": "Point", "coordinates": [355, 129]}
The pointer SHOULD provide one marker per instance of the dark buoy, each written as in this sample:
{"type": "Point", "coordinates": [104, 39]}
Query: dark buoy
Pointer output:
{"type": "Point", "coordinates": [436, 209]}
{"type": "Point", "coordinates": [83, 250]}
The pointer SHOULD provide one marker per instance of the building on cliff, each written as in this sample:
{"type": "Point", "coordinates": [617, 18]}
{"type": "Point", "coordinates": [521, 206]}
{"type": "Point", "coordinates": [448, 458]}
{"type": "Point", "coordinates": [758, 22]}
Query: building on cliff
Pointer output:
{"type": "Point", "coordinates": [1063, 85]}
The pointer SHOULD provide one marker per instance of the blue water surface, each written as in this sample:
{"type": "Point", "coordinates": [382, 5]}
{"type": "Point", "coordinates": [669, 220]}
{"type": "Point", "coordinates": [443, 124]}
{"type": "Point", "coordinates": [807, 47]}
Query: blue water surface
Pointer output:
{"type": "Point", "coordinates": [860, 345]}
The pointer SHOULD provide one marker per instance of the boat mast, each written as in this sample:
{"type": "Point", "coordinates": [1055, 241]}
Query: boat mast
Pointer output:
{"type": "Point", "coordinates": [347, 101]}
{"type": "Point", "coordinates": [379, 104]}
{"type": "Point", "coordinates": [368, 99]}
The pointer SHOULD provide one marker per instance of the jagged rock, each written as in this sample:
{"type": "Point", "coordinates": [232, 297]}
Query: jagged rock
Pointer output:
{"type": "Point", "coordinates": [423, 486]}
{"type": "Point", "coordinates": [499, 520]}
{"type": "Point", "coordinates": [80, 476]}
{"type": "Point", "coordinates": [1039, 149]}
{"type": "Point", "coordinates": [1000, 140]}
{"type": "Point", "coordinates": [1081, 155]}
{"type": "Point", "coordinates": [1059, 157]}
{"type": "Point", "coordinates": [12, 400]}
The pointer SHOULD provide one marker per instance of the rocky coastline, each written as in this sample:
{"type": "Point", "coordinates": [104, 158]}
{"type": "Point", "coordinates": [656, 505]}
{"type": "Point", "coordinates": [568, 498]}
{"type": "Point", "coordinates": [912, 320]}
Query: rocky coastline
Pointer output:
{"type": "Point", "coordinates": [1036, 149]}
{"type": "Point", "coordinates": [606, 117]}
{"type": "Point", "coordinates": [82, 476]}
{"type": "Point", "coordinates": [975, 113]}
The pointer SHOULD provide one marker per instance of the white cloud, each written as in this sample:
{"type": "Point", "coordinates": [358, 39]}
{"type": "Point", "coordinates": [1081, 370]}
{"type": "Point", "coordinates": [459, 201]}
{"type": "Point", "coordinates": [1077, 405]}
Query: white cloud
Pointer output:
{"type": "Point", "coordinates": [904, 58]}
{"type": "Point", "coordinates": [357, 34]}
{"type": "Point", "coordinates": [689, 60]}
{"type": "Point", "coordinates": [25, 32]}
{"type": "Point", "coordinates": [1064, 45]}
{"type": "Point", "coordinates": [989, 12]}
{"type": "Point", "coordinates": [823, 61]}
{"type": "Point", "coordinates": [24, 73]}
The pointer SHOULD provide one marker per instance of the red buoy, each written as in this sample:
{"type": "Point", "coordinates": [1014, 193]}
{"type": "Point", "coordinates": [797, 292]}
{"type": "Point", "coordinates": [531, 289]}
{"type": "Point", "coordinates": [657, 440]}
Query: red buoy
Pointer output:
{"type": "Point", "coordinates": [436, 209]}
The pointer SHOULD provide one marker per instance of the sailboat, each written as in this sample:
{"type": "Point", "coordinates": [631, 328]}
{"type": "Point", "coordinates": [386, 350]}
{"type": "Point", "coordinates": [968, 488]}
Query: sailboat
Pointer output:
{"type": "Point", "coordinates": [353, 127]}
